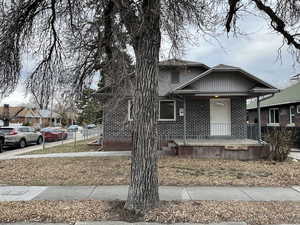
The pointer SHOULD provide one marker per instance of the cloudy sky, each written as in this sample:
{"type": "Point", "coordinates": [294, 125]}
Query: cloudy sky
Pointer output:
{"type": "Point", "coordinates": [256, 53]}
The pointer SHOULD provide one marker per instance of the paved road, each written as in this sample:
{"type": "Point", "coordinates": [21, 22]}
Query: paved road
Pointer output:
{"type": "Point", "coordinates": [168, 193]}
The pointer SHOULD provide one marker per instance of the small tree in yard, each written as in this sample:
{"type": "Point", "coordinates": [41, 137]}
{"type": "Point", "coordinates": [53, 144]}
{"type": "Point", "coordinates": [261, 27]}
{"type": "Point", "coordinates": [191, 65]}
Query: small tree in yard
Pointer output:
{"type": "Point", "coordinates": [80, 37]}
{"type": "Point", "coordinates": [280, 141]}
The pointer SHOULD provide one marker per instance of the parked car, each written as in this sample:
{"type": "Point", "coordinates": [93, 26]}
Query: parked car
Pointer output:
{"type": "Point", "coordinates": [54, 134]}
{"type": "Point", "coordinates": [21, 136]}
{"type": "Point", "coordinates": [74, 128]}
{"type": "Point", "coordinates": [90, 126]}
{"type": "Point", "coordinates": [2, 139]}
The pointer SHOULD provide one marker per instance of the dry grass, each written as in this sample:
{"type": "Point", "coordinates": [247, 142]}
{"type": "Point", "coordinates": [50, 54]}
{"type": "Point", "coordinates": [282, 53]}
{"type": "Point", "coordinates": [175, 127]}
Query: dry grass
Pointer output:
{"type": "Point", "coordinates": [81, 146]}
{"type": "Point", "coordinates": [253, 213]}
{"type": "Point", "coordinates": [172, 171]}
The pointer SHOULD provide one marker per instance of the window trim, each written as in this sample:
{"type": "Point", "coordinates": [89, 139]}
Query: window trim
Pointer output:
{"type": "Point", "coordinates": [298, 108]}
{"type": "Point", "coordinates": [290, 114]}
{"type": "Point", "coordinates": [269, 120]}
{"type": "Point", "coordinates": [167, 100]}
{"type": "Point", "coordinates": [128, 110]}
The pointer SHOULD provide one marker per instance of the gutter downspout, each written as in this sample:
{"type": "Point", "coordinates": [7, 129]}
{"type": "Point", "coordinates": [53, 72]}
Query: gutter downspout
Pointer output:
{"type": "Point", "coordinates": [259, 121]}
{"type": "Point", "coordinates": [184, 120]}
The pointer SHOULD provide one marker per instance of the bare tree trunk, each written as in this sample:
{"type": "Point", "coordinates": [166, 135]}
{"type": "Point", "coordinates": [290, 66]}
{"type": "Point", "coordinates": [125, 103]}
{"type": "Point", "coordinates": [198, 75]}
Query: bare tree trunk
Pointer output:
{"type": "Point", "coordinates": [143, 189]}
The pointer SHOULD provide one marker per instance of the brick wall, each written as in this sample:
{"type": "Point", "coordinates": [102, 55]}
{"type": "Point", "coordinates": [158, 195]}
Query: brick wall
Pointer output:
{"type": "Point", "coordinates": [116, 124]}
{"type": "Point", "coordinates": [238, 117]}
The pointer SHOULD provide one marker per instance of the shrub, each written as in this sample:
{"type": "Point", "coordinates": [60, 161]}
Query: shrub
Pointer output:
{"type": "Point", "coordinates": [280, 141]}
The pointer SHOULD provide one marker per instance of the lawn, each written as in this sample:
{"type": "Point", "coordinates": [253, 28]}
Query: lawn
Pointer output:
{"type": "Point", "coordinates": [254, 213]}
{"type": "Point", "coordinates": [172, 171]}
{"type": "Point", "coordinates": [81, 146]}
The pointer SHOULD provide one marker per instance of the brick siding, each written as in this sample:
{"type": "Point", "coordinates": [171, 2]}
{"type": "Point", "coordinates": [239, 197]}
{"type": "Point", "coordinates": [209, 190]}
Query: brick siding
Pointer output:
{"type": "Point", "coordinates": [116, 124]}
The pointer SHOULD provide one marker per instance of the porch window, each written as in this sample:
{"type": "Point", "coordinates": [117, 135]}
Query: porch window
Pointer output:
{"type": "Point", "coordinates": [292, 114]}
{"type": "Point", "coordinates": [175, 77]}
{"type": "Point", "coordinates": [167, 110]}
{"type": "Point", "coordinates": [130, 110]}
{"type": "Point", "coordinates": [274, 116]}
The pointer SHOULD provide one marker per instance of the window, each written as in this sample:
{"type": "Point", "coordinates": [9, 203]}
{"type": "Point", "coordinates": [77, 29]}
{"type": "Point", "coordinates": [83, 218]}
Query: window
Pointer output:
{"type": "Point", "coordinates": [130, 110]}
{"type": "Point", "coordinates": [298, 108]}
{"type": "Point", "coordinates": [175, 77]}
{"type": "Point", "coordinates": [274, 115]}
{"type": "Point", "coordinates": [292, 114]}
{"type": "Point", "coordinates": [167, 110]}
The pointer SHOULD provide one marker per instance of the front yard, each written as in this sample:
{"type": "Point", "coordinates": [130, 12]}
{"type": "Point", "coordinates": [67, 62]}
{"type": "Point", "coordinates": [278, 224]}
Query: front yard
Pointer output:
{"type": "Point", "coordinates": [172, 171]}
{"type": "Point", "coordinates": [80, 146]}
{"type": "Point", "coordinates": [254, 213]}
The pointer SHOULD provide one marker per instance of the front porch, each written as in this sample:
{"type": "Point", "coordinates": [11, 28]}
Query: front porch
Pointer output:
{"type": "Point", "coordinates": [217, 148]}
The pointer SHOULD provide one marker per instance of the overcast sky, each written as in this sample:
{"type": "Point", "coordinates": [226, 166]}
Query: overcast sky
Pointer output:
{"type": "Point", "coordinates": [256, 53]}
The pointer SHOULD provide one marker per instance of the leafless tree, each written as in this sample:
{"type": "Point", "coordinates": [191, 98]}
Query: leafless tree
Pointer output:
{"type": "Point", "coordinates": [75, 38]}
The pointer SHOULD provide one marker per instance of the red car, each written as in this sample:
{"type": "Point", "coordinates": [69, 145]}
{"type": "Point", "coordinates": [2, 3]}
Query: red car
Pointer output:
{"type": "Point", "coordinates": [54, 134]}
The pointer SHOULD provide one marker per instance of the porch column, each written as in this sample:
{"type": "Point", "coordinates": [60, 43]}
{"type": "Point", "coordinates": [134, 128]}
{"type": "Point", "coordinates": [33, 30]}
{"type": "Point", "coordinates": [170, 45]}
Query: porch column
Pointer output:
{"type": "Point", "coordinates": [184, 120]}
{"type": "Point", "coordinates": [258, 120]}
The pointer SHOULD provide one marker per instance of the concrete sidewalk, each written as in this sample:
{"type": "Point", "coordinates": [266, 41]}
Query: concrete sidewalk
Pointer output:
{"type": "Point", "coordinates": [167, 193]}
{"type": "Point", "coordinates": [70, 155]}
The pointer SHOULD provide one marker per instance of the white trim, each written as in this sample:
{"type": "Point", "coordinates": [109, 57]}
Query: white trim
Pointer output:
{"type": "Point", "coordinates": [237, 69]}
{"type": "Point", "coordinates": [298, 108]}
{"type": "Point", "coordinates": [290, 125]}
{"type": "Point", "coordinates": [167, 100]}
{"type": "Point", "coordinates": [290, 114]}
{"type": "Point", "coordinates": [269, 119]}
{"type": "Point", "coordinates": [273, 124]}
{"type": "Point", "coordinates": [128, 110]}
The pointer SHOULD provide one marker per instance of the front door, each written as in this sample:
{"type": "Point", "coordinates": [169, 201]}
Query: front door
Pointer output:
{"type": "Point", "coordinates": [220, 117]}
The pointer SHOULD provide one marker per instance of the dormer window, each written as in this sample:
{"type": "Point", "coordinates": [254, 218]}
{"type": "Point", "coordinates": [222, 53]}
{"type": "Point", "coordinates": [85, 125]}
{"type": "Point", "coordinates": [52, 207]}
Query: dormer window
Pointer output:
{"type": "Point", "coordinates": [175, 77]}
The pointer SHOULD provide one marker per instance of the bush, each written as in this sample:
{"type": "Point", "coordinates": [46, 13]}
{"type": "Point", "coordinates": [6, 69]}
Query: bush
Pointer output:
{"type": "Point", "coordinates": [27, 124]}
{"type": "Point", "coordinates": [280, 141]}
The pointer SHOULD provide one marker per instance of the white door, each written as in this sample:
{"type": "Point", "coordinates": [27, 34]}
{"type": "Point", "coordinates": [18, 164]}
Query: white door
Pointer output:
{"type": "Point", "coordinates": [220, 117]}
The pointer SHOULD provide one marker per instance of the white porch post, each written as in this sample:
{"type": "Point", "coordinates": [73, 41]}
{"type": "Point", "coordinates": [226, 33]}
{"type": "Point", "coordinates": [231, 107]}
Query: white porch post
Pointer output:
{"type": "Point", "coordinates": [258, 120]}
{"type": "Point", "coordinates": [184, 120]}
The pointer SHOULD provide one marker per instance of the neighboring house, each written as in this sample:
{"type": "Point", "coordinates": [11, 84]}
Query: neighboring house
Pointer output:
{"type": "Point", "coordinates": [35, 117]}
{"type": "Point", "coordinates": [283, 109]}
{"type": "Point", "coordinates": [202, 110]}
{"type": "Point", "coordinates": [45, 117]}
{"type": "Point", "coordinates": [19, 115]}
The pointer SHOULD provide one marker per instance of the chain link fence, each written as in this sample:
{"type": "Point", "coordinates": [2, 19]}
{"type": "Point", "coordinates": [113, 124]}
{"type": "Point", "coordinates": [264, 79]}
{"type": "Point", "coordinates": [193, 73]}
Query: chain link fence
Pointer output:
{"type": "Point", "coordinates": [74, 137]}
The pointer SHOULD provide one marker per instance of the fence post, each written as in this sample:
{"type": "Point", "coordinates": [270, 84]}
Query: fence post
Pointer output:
{"type": "Point", "coordinates": [43, 134]}
{"type": "Point", "coordinates": [75, 140]}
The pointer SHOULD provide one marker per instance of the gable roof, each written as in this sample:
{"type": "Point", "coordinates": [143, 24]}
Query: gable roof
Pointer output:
{"type": "Point", "coordinates": [286, 96]}
{"type": "Point", "coordinates": [180, 62]}
{"type": "Point", "coordinates": [13, 111]}
{"type": "Point", "coordinates": [223, 68]}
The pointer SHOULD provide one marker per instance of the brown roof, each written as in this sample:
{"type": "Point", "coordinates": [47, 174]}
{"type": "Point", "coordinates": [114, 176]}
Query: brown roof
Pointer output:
{"type": "Point", "coordinates": [18, 111]}
{"type": "Point", "coordinates": [181, 62]}
{"type": "Point", "coordinates": [13, 111]}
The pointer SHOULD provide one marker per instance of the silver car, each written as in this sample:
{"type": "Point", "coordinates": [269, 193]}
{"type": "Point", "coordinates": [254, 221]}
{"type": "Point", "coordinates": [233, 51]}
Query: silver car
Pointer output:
{"type": "Point", "coordinates": [21, 136]}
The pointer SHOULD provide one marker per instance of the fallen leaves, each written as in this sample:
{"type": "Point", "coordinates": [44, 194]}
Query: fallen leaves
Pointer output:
{"type": "Point", "coordinates": [254, 213]}
{"type": "Point", "coordinates": [172, 171]}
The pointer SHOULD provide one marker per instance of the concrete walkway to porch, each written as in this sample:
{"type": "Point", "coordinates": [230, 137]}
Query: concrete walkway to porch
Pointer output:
{"type": "Point", "coordinates": [167, 193]}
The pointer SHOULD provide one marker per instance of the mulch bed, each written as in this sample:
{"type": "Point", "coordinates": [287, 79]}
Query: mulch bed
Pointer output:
{"type": "Point", "coordinates": [254, 213]}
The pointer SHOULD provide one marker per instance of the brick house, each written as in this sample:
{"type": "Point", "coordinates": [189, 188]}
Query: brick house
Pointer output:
{"type": "Point", "coordinates": [282, 109]}
{"type": "Point", "coordinates": [37, 118]}
{"type": "Point", "coordinates": [202, 110]}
